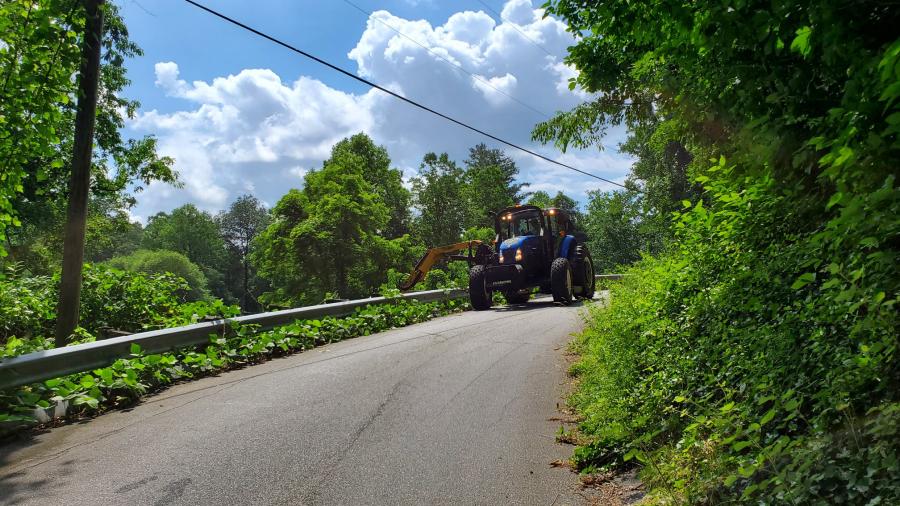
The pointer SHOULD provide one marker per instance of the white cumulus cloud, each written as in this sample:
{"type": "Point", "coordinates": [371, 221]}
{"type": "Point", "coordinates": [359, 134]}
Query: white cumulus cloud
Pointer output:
{"type": "Point", "coordinates": [261, 131]}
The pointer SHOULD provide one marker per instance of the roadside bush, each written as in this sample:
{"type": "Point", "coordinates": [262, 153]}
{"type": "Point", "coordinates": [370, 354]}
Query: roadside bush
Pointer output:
{"type": "Point", "coordinates": [127, 379]}
{"type": "Point", "coordinates": [110, 299]}
{"type": "Point", "coordinates": [129, 301]}
{"type": "Point", "coordinates": [27, 305]}
{"type": "Point", "coordinates": [452, 275]}
{"type": "Point", "coordinates": [162, 262]}
{"type": "Point", "coordinates": [756, 363]}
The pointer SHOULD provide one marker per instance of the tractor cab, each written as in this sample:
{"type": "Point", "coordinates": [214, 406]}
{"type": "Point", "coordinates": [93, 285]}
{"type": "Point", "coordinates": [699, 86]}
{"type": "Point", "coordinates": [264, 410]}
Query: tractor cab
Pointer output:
{"type": "Point", "coordinates": [532, 226]}
{"type": "Point", "coordinates": [522, 238]}
{"type": "Point", "coordinates": [519, 222]}
{"type": "Point", "coordinates": [559, 226]}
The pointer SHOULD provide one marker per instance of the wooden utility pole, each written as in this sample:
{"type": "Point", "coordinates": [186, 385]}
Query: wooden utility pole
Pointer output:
{"type": "Point", "coordinates": [80, 182]}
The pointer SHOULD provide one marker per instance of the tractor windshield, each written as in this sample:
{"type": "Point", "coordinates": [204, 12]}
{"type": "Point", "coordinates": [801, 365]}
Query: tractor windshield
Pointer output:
{"type": "Point", "coordinates": [519, 224]}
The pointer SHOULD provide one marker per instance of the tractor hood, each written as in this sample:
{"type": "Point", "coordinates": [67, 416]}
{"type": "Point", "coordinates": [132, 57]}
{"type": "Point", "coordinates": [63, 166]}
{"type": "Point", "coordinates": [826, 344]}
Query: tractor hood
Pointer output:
{"type": "Point", "coordinates": [514, 243]}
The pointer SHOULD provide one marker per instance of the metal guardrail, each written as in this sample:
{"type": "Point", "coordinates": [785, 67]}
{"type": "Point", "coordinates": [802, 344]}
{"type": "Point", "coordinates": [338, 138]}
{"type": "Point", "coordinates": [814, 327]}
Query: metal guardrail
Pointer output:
{"type": "Point", "coordinates": [48, 364]}
{"type": "Point", "coordinates": [610, 276]}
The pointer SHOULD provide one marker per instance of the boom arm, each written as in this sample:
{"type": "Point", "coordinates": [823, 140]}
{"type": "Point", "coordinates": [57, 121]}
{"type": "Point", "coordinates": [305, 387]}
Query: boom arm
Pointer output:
{"type": "Point", "coordinates": [432, 257]}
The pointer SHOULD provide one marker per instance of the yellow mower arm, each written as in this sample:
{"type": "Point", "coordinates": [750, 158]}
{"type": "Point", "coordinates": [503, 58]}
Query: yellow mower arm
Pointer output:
{"type": "Point", "coordinates": [431, 258]}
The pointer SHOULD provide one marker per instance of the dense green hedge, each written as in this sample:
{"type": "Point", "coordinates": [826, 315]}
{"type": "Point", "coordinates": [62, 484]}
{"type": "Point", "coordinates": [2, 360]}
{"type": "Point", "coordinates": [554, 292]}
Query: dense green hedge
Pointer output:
{"type": "Point", "coordinates": [110, 299]}
{"type": "Point", "coordinates": [757, 361]}
{"type": "Point", "coordinates": [129, 378]}
{"type": "Point", "coordinates": [165, 261]}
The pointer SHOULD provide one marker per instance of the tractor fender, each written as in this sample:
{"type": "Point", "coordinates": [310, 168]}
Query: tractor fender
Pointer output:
{"type": "Point", "coordinates": [566, 247]}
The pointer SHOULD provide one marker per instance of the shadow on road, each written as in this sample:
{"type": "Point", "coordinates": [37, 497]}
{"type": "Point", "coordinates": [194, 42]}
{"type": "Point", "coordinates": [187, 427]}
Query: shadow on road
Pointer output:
{"type": "Point", "coordinates": [543, 302]}
{"type": "Point", "coordinates": [15, 486]}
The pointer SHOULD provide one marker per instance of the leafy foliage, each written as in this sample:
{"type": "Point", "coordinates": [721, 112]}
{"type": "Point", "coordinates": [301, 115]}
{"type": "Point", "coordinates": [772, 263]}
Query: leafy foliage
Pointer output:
{"type": "Point", "coordinates": [129, 301]}
{"type": "Point", "coordinates": [35, 86]}
{"type": "Point", "coordinates": [490, 185]}
{"type": "Point", "coordinates": [386, 182]}
{"type": "Point", "coordinates": [37, 62]}
{"type": "Point", "coordinates": [617, 231]}
{"type": "Point", "coordinates": [165, 262]}
{"type": "Point", "coordinates": [27, 304]}
{"type": "Point", "coordinates": [111, 300]}
{"type": "Point", "coordinates": [330, 238]}
{"type": "Point", "coordinates": [439, 198]}
{"type": "Point", "coordinates": [732, 373]}
{"type": "Point", "coordinates": [561, 201]}
{"type": "Point", "coordinates": [196, 235]}
{"type": "Point", "coordinates": [754, 362]}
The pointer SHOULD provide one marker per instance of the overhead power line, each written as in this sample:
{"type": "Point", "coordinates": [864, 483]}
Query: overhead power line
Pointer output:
{"type": "Point", "coordinates": [516, 28]}
{"type": "Point", "coordinates": [445, 60]}
{"type": "Point", "coordinates": [394, 94]}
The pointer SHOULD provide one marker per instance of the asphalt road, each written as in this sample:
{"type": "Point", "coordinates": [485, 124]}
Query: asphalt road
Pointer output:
{"type": "Point", "coordinates": [458, 410]}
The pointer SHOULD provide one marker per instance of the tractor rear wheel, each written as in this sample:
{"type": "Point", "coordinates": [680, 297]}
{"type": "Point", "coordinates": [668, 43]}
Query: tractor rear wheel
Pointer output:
{"type": "Point", "coordinates": [561, 280]}
{"type": "Point", "coordinates": [479, 295]}
{"type": "Point", "coordinates": [516, 297]}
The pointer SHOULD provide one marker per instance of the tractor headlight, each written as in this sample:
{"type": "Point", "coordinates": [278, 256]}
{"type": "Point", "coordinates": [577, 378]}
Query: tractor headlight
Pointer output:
{"type": "Point", "coordinates": [519, 255]}
{"type": "Point", "coordinates": [501, 258]}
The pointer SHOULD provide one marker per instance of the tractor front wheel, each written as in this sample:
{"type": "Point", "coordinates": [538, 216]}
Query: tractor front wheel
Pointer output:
{"type": "Point", "coordinates": [561, 280]}
{"type": "Point", "coordinates": [479, 295]}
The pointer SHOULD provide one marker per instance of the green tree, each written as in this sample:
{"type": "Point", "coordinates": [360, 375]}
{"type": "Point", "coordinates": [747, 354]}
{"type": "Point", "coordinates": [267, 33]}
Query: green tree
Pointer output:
{"type": "Point", "coordinates": [36, 82]}
{"type": "Point", "coordinates": [439, 198]}
{"type": "Point", "coordinates": [616, 235]}
{"type": "Point", "coordinates": [343, 217]}
{"type": "Point", "coordinates": [111, 233]}
{"type": "Point", "coordinates": [386, 182]}
{"type": "Point", "coordinates": [560, 200]}
{"type": "Point", "coordinates": [195, 234]}
{"type": "Point", "coordinates": [37, 244]}
{"type": "Point", "coordinates": [541, 199]}
{"type": "Point", "coordinates": [279, 254]}
{"type": "Point", "coordinates": [327, 239]}
{"type": "Point", "coordinates": [663, 170]}
{"type": "Point", "coordinates": [490, 177]}
{"type": "Point", "coordinates": [37, 61]}
{"type": "Point", "coordinates": [239, 226]}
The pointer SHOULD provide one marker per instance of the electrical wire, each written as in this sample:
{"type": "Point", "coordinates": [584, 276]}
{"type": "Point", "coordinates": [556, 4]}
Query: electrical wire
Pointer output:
{"type": "Point", "coordinates": [445, 60]}
{"type": "Point", "coordinates": [392, 93]}
{"type": "Point", "coordinates": [516, 28]}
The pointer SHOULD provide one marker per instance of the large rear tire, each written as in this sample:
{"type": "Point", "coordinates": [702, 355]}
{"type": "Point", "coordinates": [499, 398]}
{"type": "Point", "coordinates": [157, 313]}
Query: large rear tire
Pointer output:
{"type": "Point", "coordinates": [561, 280]}
{"type": "Point", "coordinates": [479, 295]}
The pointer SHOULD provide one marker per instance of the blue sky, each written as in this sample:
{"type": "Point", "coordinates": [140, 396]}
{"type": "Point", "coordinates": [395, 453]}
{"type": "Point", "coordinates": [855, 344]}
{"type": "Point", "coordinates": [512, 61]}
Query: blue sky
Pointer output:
{"type": "Point", "coordinates": [241, 115]}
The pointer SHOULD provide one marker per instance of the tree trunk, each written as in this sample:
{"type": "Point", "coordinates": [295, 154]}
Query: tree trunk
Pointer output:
{"type": "Point", "coordinates": [80, 182]}
{"type": "Point", "coordinates": [246, 282]}
{"type": "Point", "coordinates": [342, 278]}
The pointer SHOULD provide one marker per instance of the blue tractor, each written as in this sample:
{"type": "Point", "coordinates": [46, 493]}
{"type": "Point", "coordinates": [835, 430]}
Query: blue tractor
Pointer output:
{"type": "Point", "coordinates": [533, 248]}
